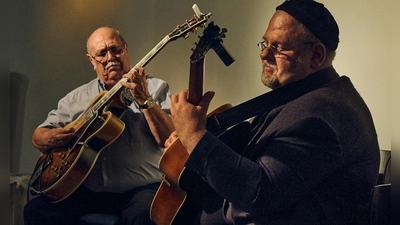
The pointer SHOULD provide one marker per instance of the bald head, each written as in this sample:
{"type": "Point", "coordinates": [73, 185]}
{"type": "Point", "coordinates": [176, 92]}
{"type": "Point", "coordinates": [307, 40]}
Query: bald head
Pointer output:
{"type": "Point", "coordinates": [101, 31]}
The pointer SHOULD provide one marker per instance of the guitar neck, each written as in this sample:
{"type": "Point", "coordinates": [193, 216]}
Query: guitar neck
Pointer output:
{"type": "Point", "coordinates": [143, 62]}
{"type": "Point", "coordinates": [212, 38]}
{"type": "Point", "coordinates": [196, 81]}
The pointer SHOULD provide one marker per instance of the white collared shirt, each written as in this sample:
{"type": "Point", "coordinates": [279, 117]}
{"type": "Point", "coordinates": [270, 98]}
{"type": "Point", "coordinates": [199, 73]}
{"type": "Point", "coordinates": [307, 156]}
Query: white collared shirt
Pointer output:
{"type": "Point", "coordinates": [132, 159]}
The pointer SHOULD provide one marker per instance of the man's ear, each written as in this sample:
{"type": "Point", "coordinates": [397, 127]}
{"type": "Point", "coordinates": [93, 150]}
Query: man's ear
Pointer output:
{"type": "Point", "coordinates": [92, 61]}
{"type": "Point", "coordinates": [318, 56]}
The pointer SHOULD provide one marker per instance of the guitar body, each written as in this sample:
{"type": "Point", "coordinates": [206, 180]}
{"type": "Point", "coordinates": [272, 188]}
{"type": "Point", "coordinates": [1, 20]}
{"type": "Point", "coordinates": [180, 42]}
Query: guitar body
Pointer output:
{"type": "Point", "coordinates": [183, 194]}
{"type": "Point", "coordinates": [173, 205]}
{"type": "Point", "coordinates": [60, 171]}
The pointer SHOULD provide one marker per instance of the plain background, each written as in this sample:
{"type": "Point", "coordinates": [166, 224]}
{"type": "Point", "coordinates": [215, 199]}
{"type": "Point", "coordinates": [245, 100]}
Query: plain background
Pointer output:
{"type": "Point", "coordinates": [48, 47]}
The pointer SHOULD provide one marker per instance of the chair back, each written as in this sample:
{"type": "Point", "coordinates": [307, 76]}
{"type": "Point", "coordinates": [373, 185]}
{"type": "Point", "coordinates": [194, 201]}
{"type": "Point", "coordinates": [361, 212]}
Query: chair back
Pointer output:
{"type": "Point", "coordinates": [381, 193]}
{"type": "Point", "coordinates": [381, 205]}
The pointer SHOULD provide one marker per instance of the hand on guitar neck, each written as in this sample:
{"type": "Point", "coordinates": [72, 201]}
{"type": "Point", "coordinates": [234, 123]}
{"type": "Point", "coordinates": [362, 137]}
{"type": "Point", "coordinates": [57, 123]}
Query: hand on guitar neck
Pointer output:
{"type": "Point", "coordinates": [189, 129]}
{"type": "Point", "coordinates": [136, 83]}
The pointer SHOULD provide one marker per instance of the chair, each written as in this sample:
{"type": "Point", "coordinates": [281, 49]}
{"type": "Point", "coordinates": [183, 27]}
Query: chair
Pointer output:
{"type": "Point", "coordinates": [387, 171]}
{"type": "Point", "coordinates": [99, 219]}
{"type": "Point", "coordinates": [381, 204]}
{"type": "Point", "coordinates": [381, 193]}
{"type": "Point", "coordinates": [385, 167]}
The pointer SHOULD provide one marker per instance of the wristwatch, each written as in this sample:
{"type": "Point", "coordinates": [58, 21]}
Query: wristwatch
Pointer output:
{"type": "Point", "coordinates": [148, 103]}
{"type": "Point", "coordinates": [128, 98]}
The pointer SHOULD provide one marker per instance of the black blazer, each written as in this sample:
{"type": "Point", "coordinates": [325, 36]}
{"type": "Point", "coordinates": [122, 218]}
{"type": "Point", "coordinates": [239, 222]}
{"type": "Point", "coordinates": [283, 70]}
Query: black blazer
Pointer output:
{"type": "Point", "coordinates": [312, 160]}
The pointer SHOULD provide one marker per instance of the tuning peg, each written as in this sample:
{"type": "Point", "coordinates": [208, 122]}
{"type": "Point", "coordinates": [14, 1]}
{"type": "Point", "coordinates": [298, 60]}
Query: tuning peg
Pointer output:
{"type": "Point", "coordinates": [224, 30]}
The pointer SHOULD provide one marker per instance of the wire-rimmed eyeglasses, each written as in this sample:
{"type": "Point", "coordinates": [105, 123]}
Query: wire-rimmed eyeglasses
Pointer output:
{"type": "Point", "coordinates": [277, 51]}
{"type": "Point", "coordinates": [116, 51]}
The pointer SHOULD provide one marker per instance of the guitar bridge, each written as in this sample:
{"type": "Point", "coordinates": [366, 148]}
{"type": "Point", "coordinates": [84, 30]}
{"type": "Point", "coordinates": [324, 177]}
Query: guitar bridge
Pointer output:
{"type": "Point", "coordinates": [164, 179]}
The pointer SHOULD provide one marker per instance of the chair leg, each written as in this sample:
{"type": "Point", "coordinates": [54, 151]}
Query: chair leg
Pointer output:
{"type": "Point", "coordinates": [381, 205]}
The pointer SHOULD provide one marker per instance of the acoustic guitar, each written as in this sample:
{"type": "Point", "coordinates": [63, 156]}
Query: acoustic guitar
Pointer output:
{"type": "Point", "coordinates": [61, 171]}
{"type": "Point", "coordinates": [181, 194]}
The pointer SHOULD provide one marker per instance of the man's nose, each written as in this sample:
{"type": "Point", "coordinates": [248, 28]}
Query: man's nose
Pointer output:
{"type": "Point", "coordinates": [110, 56]}
{"type": "Point", "coordinates": [267, 54]}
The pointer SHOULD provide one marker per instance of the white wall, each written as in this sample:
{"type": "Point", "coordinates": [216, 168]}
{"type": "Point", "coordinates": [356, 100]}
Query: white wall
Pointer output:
{"type": "Point", "coordinates": [49, 37]}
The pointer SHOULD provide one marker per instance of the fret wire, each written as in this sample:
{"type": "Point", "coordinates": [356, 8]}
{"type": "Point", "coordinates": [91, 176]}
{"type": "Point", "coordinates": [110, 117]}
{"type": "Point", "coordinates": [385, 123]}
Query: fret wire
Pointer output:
{"type": "Point", "coordinates": [154, 51]}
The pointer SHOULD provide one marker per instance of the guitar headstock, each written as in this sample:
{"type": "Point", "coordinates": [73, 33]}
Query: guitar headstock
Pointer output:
{"type": "Point", "coordinates": [212, 36]}
{"type": "Point", "coordinates": [198, 20]}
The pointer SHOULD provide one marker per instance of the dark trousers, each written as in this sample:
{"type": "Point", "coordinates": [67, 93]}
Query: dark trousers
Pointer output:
{"type": "Point", "coordinates": [132, 207]}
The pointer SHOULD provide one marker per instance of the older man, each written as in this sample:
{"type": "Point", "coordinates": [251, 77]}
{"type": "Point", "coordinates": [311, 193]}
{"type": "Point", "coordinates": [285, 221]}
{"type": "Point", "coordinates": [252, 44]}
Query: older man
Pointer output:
{"type": "Point", "coordinates": [125, 176]}
{"type": "Point", "coordinates": [313, 159]}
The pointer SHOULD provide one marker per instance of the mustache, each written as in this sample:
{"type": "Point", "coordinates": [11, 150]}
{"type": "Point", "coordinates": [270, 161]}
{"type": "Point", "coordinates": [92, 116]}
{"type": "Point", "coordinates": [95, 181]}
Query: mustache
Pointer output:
{"type": "Point", "coordinates": [265, 63]}
{"type": "Point", "coordinates": [113, 63]}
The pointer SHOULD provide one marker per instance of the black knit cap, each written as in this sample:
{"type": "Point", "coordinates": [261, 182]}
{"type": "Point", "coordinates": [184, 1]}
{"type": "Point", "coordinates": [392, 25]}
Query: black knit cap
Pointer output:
{"type": "Point", "coordinates": [316, 18]}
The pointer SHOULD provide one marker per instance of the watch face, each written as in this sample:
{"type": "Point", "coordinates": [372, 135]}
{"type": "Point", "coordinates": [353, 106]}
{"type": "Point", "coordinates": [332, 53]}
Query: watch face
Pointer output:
{"type": "Point", "coordinates": [149, 102]}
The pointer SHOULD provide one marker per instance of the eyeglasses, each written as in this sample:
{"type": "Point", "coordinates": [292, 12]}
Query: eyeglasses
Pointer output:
{"type": "Point", "coordinates": [116, 51]}
{"type": "Point", "coordinates": [277, 51]}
